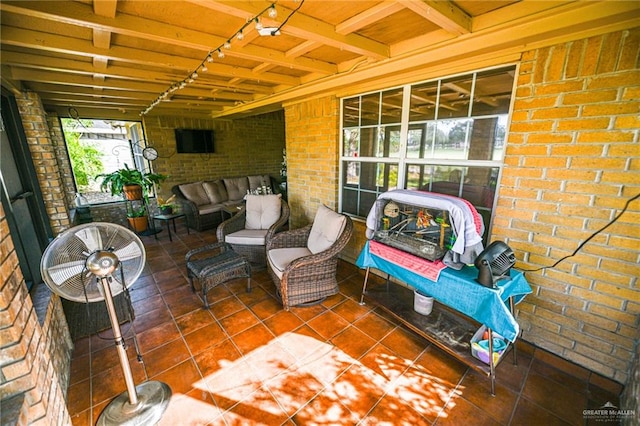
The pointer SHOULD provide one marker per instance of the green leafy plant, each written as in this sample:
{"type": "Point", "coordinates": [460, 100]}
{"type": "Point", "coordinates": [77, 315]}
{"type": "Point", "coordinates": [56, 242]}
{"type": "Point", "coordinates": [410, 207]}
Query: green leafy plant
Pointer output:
{"type": "Point", "coordinates": [137, 211]}
{"type": "Point", "coordinates": [114, 182]}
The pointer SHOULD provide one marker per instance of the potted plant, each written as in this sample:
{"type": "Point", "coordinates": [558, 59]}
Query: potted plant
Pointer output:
{"type": "Point", "coordinates": [130, 181]}
{"type": "Point", "coordinates": [137, 217]}
{"type": "Point", "coordinates": [166, 207]}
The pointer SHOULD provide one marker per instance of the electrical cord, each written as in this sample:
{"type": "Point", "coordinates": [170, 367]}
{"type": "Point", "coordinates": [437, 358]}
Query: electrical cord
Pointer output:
{"type": "Point", "coordinates": [629, 201]}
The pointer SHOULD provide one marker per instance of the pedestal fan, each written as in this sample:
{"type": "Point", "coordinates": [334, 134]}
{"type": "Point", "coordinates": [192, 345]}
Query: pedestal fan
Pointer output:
{"type": "Point", "coordinates": [81, 265]}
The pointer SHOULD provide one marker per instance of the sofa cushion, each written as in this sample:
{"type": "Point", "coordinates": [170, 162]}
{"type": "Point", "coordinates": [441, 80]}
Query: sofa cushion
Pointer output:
{"type": "Point", "coordinates": [280, 258]}
{"type": "Point", "coordinates": [209, 208]}
{"type": "Point", "coordinates": [262, 211]}
{"type": "Point", "coordinates": [216, 191]}
{"type": "Point", "coordinates": [236, 187]}
{"type": "Point", "coordinates": [257, 181]}
{"type": "Point", "coordinates": [247, 237]}
{"type": "Point", "coordinates": [326, 229]}
{"type": "Point", "coordinates": [195, 193]}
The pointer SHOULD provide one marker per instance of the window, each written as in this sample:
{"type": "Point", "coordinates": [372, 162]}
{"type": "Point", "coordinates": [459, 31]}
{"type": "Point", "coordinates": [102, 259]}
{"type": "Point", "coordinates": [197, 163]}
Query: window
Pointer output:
{"type": "Point", "coordinates": [100, 146]}
{"type": "Point", "coordinates": [445, 136]}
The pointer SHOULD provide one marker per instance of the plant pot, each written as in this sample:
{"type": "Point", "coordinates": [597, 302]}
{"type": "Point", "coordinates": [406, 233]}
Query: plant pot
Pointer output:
{"type": "Point", "coordinates": [132, 192]}
{"type": "Point", "coordinates": [138, 224]}
{"type": "Point", "coordinates": [166, 210]}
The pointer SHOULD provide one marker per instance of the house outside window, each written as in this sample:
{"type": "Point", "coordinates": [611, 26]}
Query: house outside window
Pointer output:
{"type": "Point", "coordinates": [446, 136]}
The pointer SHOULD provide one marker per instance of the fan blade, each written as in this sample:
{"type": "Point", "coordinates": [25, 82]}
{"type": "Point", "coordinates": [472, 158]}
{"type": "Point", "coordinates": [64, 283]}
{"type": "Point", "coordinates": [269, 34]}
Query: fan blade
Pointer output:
{"type": "Point", "coordinates": [60, 273]}
{"type": "Point", "coordinates": [128, 252]}
{"type": "Point", "coordinates": [91, 238]}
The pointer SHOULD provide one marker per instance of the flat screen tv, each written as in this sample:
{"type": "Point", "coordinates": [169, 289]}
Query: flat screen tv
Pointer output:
{"type": "Point", "coordinates": [190, 141]}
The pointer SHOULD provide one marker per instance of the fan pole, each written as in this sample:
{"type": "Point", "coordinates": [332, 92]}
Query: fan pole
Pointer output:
{"type": "Point", "coordinates": [117, 336]}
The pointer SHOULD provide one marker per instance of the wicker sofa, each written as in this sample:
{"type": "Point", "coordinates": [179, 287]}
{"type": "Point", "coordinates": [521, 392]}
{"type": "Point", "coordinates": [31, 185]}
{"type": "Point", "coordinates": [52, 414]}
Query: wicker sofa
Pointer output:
{"type": "Point", "coordinates": [203, 202]}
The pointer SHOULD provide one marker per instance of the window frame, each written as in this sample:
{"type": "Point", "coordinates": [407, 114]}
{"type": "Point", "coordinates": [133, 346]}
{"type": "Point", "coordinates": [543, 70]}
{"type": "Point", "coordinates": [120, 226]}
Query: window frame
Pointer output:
{"type": "Point", "coordinates": [403, 161]}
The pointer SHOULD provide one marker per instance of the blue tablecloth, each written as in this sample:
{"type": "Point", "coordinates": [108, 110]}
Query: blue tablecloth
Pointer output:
{"type": "Point", "coordinates": [460, 291]}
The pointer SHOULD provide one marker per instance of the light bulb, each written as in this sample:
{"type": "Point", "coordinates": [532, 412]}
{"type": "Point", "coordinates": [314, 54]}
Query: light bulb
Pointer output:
{"type": "Point", "coordinates": [273, 13]}
{"type": "Point", "coordinates": [240, 35]}
{"type": "Point", "coordinates": [209, 58]}
{"type": "Point", "coordinates": [194, 75]}
{"type": "Point", "coordinates": [227, 44]}
{"type": "Point", "coordinates": [204, 68]}
{"type": "Point", "coordinates": [258, 24]}
{"type": "Point", "coordinates": [220, 54]}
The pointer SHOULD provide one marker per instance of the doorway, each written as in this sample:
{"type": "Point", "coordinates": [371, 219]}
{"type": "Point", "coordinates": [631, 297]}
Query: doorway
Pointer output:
{"type": "Point", "coordinates": [20, 194]}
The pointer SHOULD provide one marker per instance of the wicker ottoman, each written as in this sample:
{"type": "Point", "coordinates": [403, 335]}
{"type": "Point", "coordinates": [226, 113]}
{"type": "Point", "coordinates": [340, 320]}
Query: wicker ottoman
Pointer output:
{"type": "Point", "coordinates": [223, 265]}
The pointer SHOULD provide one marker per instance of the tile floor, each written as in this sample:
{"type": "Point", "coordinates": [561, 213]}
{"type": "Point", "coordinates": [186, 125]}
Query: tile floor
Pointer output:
{"type": "Point", "coordinates": [247, 361]}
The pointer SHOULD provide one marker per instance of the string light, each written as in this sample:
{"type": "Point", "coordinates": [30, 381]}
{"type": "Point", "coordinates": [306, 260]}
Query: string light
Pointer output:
{"type": "Point", "coordinates": [239, 35]}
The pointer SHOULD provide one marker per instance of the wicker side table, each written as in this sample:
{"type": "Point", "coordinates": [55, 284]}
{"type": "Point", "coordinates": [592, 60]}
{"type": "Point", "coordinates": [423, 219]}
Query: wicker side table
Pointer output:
{"type": "Point", "coordinates": [218, 267]}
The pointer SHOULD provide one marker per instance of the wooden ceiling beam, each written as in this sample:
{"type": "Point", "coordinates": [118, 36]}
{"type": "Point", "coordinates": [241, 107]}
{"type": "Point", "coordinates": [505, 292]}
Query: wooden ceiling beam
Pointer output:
{"type": "Point", "coordinates": [62, 44]}
{"type": "Point", "coordinates": [444, 14]}
{"type": "Point", "coordinates": [81, 15]}
{"type": "Point", "coordinates": [40, 62]}
{"type": "Point", "coordinates": [301, 26]}
{"type": "Point", "coordinates": [368, 17]}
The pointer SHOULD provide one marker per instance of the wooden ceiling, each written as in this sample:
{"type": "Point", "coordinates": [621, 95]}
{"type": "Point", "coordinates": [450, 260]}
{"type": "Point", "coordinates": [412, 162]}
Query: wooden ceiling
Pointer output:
{"type": "Point", "coordinates": [122, 58]}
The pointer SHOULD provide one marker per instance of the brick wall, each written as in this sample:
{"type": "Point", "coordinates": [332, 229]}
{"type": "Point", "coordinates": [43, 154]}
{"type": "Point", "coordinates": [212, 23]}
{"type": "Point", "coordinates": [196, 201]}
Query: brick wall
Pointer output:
{"type": "Point", "coordinates": [244, 146]}
{"type": "Point", "coordinates": [572, 161]}
{"type": "Point", "coordinates": [36, 355]}
{"type": "Point", "coordinates": [62, 159]}
{"type": "Point", "coordinates": [44, 153]}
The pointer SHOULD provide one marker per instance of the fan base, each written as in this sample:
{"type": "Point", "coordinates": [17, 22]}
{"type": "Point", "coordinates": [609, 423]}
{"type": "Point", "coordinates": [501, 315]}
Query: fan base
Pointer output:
{"type": "Point", "coordinates": [153, 399]}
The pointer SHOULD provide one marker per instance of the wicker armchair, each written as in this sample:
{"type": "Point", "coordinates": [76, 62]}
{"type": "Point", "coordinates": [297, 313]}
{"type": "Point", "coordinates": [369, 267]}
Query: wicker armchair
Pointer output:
{"type": "Point", "coordinates": [250, 243]}
{"type": "Point", "coordinates": [303, 274]}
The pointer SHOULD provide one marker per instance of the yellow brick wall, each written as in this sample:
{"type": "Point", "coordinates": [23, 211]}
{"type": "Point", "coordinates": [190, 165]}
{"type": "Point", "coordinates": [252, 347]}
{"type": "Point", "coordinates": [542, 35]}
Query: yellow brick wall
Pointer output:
{"type": "Point", "coordinates": [244, 146]}
{"type": "Point", "coordinates": [572, 161]}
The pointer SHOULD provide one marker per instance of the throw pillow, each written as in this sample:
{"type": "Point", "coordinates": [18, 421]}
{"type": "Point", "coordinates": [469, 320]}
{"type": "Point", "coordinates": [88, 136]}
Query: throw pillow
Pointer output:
{"type": "Point", "coordinates": [262, 211]}
{"type": "Point", "coordinates": [326, 229]}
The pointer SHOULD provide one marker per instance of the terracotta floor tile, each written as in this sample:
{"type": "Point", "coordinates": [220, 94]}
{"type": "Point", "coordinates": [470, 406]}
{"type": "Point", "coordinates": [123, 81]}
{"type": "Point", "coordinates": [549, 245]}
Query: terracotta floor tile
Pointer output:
{"type": "Point", "coordinates": [282, 322]}
{"type": "Point", "coordinates": [324, 409]}
{"type": "Point", "coordinates": [353, 342]}
{"type": "Point", "coordinates": [405, 343]}
{"type": "Point", "coordinates": [266, 308]}
{"type": "Point", "coordinates": [258, 408]}
{"type": "Point", "coordinates": [225, 307]}
{"type": "Point", "coordinates": [476, 388]}
{"type": "Point", "coordinates": [461, 412]}
{"type": "Point", "coordinates": [374, 325]}
{"type": "Point", "coordinates": [252, 338]}
{"type": "Point", "coordinates": [217, 357]}
{"type": "Point", "coordinates": [239, 321]}
{"type": "Point", "coordinates": [181, 378]}
{"type": "Point", "coordinates": [351, 310]}
{"type": "Point", "coordinates": [195, 407]}
{"type": "Point", "coordinates": [157, 336]}
{"type": "Point", "coordinates": [544, 392]}
{"type": "Point", "coordinates": [194, 320]}
{"type": "Point", "coordinates": [204, 337]}
{"type": "Point", "coordinates": [165, 357]}
{"type": "Point", "coordinates": [328, 324]}
{"type": "Point", "coordinates": [528, 413]}
{"type": "Point", "coordinates": [333, 363]}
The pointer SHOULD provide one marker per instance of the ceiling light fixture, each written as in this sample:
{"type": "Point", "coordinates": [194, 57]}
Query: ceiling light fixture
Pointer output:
{"type": "Point", "coordinates": [239, 35]}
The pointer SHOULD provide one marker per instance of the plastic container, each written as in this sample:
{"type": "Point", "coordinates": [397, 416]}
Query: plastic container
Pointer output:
{"type": "Point", "coordinates": [478, 350]}
{"type": "Point", "coordinates": [422, 304]}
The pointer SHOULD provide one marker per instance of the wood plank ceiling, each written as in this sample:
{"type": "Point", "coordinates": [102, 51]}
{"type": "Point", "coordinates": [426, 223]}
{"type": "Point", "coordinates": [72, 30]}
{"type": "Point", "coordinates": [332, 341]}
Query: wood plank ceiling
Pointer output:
{"type": "Point", "coordinates": [124, 58]}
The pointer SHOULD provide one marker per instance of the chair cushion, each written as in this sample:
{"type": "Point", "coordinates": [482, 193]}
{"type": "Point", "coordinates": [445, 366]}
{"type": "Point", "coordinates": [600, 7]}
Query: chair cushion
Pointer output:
{"type": "Point", "coordinates": [326, 229]}
{"type": "Point", "coordinates": [247, 237]}
{"type": "Point", "coordinates": [195, 193]}
{"type": "Point", "coordinates": [216, 191]}
{"type": "Point", "coordinates": [258, 180]}
{"type": "Point", "coordinates": [236, 187]}
{"type": "Point", "coordinates": [262, 211]}
{"type": "Point", "coordinates": [280, 258]}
